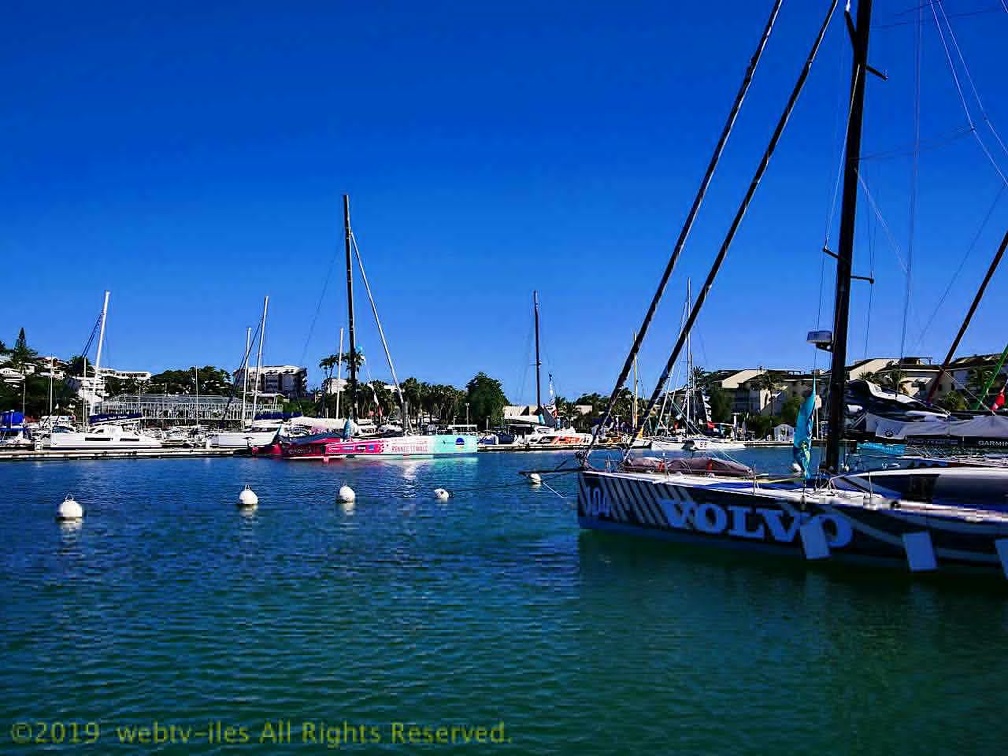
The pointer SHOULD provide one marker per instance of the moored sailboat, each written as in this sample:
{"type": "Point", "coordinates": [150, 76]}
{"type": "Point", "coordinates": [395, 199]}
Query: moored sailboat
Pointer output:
{"type": "Point", "coordinates": [924, 519]}
{"type": "Point", "coordinates": [347, 444]}
{"type": "Point", "coordinates": [102, 431]}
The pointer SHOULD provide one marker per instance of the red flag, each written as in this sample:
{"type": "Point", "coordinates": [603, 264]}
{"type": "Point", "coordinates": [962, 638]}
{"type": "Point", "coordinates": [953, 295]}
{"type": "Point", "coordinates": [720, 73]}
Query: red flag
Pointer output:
{"type": "Point", "coordinates": [999, 401]}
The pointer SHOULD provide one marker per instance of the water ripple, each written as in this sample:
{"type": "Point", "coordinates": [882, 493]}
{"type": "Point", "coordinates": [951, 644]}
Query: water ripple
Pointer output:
{"type": "Point", "coordinates": [169, 603]}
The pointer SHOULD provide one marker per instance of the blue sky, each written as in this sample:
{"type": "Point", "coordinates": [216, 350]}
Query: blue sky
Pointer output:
{"type": "Point", "coordinates": [191, 157]}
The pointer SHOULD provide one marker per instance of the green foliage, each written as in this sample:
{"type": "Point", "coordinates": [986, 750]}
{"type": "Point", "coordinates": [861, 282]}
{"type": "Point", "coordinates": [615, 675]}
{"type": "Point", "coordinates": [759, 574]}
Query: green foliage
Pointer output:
{"type": "Point", "coordinates": [720, 404]}
{"type": "Point", "coordinates": [976, 383]}
{"type": "Point", "coordinates": [21, 354]}
{"type": "Point", "coordinates": [304, 406]}
{"type": "Point", "coordinates": [598, 405]}
{"type": "Point", "coordinates": [789, 410]}
{"type": "Point", "coordinates": [953, 401]}
{"type": "Point", "coordinates": [486, 400]}
{"type": "Point", "coordinates": [760, 425]}
{"type": "Point", "coordinates": [377, 402]}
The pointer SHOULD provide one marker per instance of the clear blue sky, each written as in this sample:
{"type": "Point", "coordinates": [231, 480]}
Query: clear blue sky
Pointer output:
{"type": "Point", "coordinates": [190, 157]}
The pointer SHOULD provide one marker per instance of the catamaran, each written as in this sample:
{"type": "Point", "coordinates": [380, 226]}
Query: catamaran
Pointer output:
{"type": "Point", "coordinates": [926, 518]}
{"type": "Point", "coordinates": [103, 432]}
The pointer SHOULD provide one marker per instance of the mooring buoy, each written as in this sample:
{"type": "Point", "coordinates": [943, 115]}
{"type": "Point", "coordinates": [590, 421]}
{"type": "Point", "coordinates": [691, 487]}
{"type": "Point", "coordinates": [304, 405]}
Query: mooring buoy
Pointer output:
{"type": "Point", "coordinates": [69, 510]}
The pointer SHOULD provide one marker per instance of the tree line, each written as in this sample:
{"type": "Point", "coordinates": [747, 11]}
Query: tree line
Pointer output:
{"type": "Point", "coordinates": [481, 401]}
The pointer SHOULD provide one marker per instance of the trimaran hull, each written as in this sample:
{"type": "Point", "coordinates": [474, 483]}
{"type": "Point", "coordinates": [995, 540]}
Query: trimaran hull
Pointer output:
{"type": "Point", "coordinates": [396, 447]}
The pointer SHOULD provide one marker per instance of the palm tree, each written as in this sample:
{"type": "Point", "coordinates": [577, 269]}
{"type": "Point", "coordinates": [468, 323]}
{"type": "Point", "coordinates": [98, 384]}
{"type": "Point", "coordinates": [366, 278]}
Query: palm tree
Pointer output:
{"type": "Point", "coordinates": [411, 393]}
{"type": "Point", "coordinates": [381, 399]}
{"type": "Point", "coordinates": [767, 381]}
{"type": "Point", "coordinates": [328, 363]}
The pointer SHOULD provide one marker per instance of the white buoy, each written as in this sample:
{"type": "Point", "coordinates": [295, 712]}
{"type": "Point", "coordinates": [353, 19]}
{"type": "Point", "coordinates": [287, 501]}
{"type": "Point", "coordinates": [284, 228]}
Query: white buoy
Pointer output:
{"type": "Point", "coordinates": [247, 499]}
{"type": "Point", "coordinates": [535, 479]}
{"type": "Point", "coordinates": [441, 494]}
{"type": "Point", "coordinates": [69, 510]}
{"type": "Point", "coordinates": [346, 493]}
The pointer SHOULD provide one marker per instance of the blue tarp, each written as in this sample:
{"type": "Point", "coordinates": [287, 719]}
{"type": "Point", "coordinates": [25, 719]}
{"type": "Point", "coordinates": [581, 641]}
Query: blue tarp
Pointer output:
{"type": "Point", "coordinates": [11, 419]}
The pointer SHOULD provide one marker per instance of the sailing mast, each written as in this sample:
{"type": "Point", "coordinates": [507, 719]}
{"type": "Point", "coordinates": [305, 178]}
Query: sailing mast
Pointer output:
{"type": "Point", "coordinates": [339, 374]}
{"type": "Point", "coordinates": [101, 340]}
{"type": "Point", "coordinates": [352, 358]}
{"type": "Point", "coordinates": [687, 419]}
{"type": "Point", "coordinates": [635, 387]}
{"type": "Point", "coordinates": [258, 372]}
{"type": "Point", "coordinates": [248, 351]}
{"type": "Point", "coordinates": [535, 302]}
{"type": "Point", "coordinates": [966, 321]}
{"type": "Point", "coordinates": [845, 248]}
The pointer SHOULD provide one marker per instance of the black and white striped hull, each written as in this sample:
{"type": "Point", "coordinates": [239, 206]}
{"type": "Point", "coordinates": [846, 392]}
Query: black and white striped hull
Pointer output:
{"type": "Point", "coordinates": [811, 524]}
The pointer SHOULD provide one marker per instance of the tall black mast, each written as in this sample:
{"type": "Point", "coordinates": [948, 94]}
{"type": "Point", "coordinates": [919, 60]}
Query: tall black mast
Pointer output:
{"type": "Point", "coordinates": [352, 359]}
{"type": "Point", "coordinates": [535, 308]}
{"type": "Point", "coordinates": [845, 249]}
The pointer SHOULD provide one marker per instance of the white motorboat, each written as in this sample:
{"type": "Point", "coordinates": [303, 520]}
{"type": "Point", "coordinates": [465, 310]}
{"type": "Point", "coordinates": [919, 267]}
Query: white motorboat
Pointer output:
{"type": "Point", "coordinates": [103, 437]}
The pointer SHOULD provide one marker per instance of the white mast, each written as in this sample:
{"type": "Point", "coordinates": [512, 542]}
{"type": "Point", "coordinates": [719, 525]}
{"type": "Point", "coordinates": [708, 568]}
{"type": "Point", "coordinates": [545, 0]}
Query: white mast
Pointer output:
{"type": "Point", "coordinates": [52, 359]}
{"type": "Point", "coordinates": [248, 350]}
{"type": "Point", "coordinates": [196, 368]}
{"type": "Point", "coordinates": [101, 341]}
{"type": "Point", "coordinates": [262, 336]}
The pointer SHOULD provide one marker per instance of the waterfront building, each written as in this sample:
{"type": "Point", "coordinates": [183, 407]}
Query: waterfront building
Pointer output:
{"type": "Point", "coordinates": [187, 409]}
{"type": "Point", "coordinates": [289, 380]}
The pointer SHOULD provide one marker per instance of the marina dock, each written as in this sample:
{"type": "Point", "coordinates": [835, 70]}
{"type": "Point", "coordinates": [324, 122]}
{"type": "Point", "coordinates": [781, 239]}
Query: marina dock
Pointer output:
{"type": "Point", "coordinates": [42, 455]}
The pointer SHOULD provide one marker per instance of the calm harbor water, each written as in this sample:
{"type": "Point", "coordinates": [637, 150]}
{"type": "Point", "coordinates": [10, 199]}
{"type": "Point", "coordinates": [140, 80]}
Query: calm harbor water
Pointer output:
{"type": "Point", "coordinates": [168, 604]}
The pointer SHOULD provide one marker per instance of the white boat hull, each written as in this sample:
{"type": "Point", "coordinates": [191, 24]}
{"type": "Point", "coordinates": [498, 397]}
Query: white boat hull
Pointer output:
{"type": "Point", "coordinates": [102, 439]}
{"type": "Point", "coordinates": [241, 439]}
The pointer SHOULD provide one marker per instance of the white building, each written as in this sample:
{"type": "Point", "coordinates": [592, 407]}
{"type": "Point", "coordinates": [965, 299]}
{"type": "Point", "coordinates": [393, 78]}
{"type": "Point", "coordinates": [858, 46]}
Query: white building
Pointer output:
{"type": "Point", "coordinates": [289, 380]}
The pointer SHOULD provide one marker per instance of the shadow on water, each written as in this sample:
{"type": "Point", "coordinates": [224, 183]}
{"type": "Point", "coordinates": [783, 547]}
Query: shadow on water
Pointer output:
{"type": "Point", "coordinates": [624, 556]}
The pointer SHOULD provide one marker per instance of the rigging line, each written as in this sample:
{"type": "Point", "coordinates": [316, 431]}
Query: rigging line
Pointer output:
{"type": "Point", "coordinates": [969, 78]}
{"type": "Point", "coordinates": [318, 307]}
{"type": "Point", "coordinates": [962, 97]}
{"type": "Point", "coordinates": [885, 226]}
{"type": "Point", "coordinates": [978, 12]}
{"type": "Point", "coordinates": [525, 359]}
{"type": "Point", "coordinates": [834, 204]}
{"type": "Point", "coordinates": [872, 237]}
{"type": "Point", "coordinates": [691, 217]}
{"type": "Point", "coordinates": [924, 146]}
{"type": "Point", "coordinates": [915, 174]}
{"type": "Point", "coordinates": [243, 365]}
{"type": "Point", "coordinates": [962, 264]}
{"type": "Point", "coordinates": [381, 333]}
{"type": "Point", "coordinates": [740, 213]}
{"type": "Point", "coordinates": [969, 316]}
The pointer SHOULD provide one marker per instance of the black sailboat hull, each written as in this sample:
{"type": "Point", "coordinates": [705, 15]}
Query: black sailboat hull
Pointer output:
{"type": "Point", "coordinates": [815, 526]}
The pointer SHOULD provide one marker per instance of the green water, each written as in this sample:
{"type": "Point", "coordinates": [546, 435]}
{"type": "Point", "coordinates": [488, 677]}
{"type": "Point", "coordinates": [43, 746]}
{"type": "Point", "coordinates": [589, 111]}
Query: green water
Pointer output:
{"type": "Point", "coordinates": [168, 604]}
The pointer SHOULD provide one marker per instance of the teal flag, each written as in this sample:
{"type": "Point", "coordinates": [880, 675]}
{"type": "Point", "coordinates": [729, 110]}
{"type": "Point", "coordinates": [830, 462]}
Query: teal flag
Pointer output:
{"type": "Point", "coordinates": [802, 449]}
